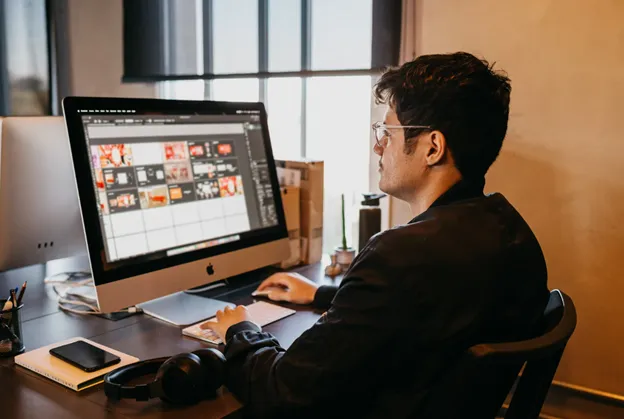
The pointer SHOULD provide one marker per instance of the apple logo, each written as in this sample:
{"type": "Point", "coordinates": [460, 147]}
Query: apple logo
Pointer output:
{"type": "Point", "coordinates": [210, 269]}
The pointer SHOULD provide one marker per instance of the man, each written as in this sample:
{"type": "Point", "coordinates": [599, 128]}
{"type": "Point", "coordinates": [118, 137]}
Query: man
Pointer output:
{"type": "Point", "coordinates": [465, 270]}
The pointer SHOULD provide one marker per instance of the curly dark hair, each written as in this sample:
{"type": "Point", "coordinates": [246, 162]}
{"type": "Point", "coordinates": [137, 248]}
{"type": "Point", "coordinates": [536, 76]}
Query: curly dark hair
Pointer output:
{"type": "Point", "coordinates": [457, 94]}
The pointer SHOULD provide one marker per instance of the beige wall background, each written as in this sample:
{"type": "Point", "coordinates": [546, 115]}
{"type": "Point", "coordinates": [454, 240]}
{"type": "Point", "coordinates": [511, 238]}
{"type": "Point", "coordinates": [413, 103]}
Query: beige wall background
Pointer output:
{"type": "Point", "coordinates": [562, 158]}
{"type": "Point", "coordinates": [96, 52]}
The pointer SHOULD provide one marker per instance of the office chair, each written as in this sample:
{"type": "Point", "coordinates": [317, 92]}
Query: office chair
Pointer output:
{"type": "Point", "coordinates": [476, 385]}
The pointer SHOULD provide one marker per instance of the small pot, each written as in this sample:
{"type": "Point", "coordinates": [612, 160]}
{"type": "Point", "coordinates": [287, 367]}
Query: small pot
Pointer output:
{"type": "Point", "coordinates": [333, 270]}
{"type": "Point", "coordinates": [344, 257]}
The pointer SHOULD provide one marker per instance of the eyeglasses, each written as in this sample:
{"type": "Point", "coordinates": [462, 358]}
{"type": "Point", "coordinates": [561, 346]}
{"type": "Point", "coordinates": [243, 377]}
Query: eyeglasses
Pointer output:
{"type": "Point", "coordinates": [382, 131]}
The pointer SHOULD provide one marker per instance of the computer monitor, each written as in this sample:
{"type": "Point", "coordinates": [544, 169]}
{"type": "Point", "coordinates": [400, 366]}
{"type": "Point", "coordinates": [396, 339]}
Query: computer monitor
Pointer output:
{"type": "Point", "coordinates": [39, 212]}
{"type": "Point", "coordinates": [174, 195]}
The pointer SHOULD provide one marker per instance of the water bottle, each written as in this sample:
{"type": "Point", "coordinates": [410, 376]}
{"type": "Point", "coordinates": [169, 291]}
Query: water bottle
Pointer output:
{"type": "Point", "coordinates": [369, 218]}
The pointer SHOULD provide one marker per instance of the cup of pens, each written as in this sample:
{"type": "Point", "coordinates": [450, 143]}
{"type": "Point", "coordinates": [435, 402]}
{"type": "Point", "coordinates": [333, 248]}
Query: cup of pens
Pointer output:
{"type": "Point", "coordinates": [11, 339]}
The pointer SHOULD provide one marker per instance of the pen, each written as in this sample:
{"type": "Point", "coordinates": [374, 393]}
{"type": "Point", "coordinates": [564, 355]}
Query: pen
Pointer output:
{"type": "Point", "coordinates": [13, 300]}
{"type": "Point", "coordinates": [7, 306]}
{"type": "Point", "coordinates": [21, 293]}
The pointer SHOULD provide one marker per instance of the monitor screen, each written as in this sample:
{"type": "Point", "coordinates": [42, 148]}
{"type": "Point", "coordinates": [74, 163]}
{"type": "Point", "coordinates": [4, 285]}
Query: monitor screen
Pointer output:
{"type": "Point", "coordinates": [171, 184]}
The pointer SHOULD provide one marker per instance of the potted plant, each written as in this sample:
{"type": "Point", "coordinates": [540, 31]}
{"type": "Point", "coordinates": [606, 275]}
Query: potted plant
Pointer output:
{"type": "Point", "coordinates": [344, 253]}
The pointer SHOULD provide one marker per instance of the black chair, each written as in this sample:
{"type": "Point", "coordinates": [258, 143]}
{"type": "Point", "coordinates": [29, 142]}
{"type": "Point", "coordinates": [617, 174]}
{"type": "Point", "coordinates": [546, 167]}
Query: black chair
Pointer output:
{"type": "Point", "coordinates": [478, 383]}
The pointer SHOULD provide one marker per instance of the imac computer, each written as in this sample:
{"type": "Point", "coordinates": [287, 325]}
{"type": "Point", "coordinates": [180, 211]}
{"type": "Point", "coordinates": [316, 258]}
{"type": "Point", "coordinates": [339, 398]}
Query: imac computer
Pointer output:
{"type": "Point", "coordinates": [173, 195]}
{"type": "Point", "coordinates": [39, 212]}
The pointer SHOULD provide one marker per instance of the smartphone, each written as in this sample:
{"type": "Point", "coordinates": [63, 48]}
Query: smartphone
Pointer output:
{"type": "Point", "coordinates": [85, 356]}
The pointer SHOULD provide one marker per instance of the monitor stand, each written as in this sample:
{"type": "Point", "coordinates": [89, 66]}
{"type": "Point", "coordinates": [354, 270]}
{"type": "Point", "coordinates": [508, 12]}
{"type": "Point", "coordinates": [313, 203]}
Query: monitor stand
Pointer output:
{"type": "Point", "coordinates": [182, 309]}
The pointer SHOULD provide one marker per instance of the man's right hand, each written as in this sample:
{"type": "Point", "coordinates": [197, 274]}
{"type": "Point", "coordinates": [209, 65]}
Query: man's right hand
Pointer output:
{"type": "Point", "coordinates": [290, 287]}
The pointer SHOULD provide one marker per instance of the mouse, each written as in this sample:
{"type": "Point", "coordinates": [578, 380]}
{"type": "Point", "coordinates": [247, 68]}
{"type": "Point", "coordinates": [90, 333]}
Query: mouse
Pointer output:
{"type": "Point", "coordinates": [265, 292]}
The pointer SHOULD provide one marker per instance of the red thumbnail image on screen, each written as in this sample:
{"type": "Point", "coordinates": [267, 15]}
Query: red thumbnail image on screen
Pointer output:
{"type": "Point", "coordinates": [114, 155]}
{"type": "Point", "coordinates": [196, 150]}
{"type": "Point", "coordinates": [225, 149]}
{"type": "Point", "coordinates": [231, 186]}
{"type": "Point", "coordinates": [175, 151]}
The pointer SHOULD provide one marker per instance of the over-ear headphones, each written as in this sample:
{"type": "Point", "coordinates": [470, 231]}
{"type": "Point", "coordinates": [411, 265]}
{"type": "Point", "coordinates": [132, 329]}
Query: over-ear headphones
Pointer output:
{"type": "Point", "coordinates": [181, 379]}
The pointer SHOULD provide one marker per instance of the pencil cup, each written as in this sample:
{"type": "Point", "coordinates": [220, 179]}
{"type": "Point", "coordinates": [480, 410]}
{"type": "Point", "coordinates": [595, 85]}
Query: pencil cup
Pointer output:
{"type": "Point", "coordinates": [11, 340]}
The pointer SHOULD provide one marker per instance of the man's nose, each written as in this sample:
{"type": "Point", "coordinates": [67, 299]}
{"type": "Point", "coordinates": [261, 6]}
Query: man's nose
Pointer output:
{"type": "Point", "coordinates": [378, 149]}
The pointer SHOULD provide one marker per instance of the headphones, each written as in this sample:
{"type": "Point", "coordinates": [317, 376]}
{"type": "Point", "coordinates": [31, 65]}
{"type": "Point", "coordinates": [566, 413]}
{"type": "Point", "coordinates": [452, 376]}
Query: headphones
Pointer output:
{"type": "Point", "coordinates": [186, 378]}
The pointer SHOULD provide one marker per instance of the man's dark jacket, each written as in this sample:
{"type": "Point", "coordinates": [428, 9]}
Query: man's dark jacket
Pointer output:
{"type": "Point", "coordinates": [466, 271]}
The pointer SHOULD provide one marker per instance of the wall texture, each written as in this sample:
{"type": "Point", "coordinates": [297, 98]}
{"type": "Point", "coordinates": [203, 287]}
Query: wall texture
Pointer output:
{"type": "Point", "coordinates": [96, 52]}
{"type": "Point", "coordinates": [560, 165]}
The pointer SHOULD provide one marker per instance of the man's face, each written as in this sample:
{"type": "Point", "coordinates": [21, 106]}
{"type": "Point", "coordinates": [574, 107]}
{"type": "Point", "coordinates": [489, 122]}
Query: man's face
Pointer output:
{"type": "Point", "coordinates": [400, 173]}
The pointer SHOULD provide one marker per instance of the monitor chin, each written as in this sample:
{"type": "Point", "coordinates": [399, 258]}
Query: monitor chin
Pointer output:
{"type": "Point", "coordinates": [131, 291]}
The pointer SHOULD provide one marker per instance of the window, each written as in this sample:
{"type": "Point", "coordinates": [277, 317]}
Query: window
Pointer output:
{"type": "Point", "coordinates": [311, 63]}
{"type": "Point", "coordinates": [183, 90]}
{"type": "Point", "coordinates": [235, 90]}
{"type": "Point", "coordinates": [338, 131]}
{"type": "Point", "coordinates": [284, 110]}
{"type": "Point", "coordinates": [235, 36]}
{"type": "Point", "coordinates": [24, 58]}
{"type": "Point", "coordinates": [284, 35]}
{"type": "Point", "coordinates": [341, 34]}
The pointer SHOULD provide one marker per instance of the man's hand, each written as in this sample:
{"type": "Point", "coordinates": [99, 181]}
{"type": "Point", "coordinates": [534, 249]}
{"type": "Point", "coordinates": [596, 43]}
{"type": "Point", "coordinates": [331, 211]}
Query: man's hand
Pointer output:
{"type": "Point", "coordinates": [290, 287]}
{"type": "Point", "coordinates": [227, 318]}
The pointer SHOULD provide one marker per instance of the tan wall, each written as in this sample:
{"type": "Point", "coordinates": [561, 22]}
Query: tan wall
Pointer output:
{"type": "Point", "coordinates": [561, 164]}
{"type": "Point", "coordinates": [96, 53]}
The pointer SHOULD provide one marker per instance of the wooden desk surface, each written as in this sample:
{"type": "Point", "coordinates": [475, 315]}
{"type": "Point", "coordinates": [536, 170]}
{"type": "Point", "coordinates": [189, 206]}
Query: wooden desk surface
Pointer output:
{"type": "Point", "coordinates": [24, 394]}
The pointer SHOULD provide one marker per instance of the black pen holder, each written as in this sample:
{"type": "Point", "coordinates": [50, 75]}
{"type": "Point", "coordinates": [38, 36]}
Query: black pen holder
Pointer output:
{"type": "Point", "coordinates": [11, 339]}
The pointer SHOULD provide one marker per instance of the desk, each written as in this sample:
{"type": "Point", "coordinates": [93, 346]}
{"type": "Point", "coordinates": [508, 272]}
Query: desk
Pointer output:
{"type": "Point", "coordinates": [25, 394]}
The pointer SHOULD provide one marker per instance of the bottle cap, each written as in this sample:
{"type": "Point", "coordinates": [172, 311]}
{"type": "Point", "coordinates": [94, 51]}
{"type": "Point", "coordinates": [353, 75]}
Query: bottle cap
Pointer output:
{"type": "Point", "coordinates": [372, 199]}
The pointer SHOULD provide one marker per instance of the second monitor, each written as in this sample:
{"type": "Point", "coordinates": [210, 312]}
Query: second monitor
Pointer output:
{"type": "Point", "coordinates": [174, 194]}
{"type": "Point", "coordinates": [39, 213]}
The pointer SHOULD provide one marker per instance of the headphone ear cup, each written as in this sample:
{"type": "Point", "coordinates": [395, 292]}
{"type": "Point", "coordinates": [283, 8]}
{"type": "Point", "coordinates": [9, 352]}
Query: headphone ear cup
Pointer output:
{"type": "Point", "coordinates": [213, 368]}
{"type": "Point", "coordinates": [181, 379]}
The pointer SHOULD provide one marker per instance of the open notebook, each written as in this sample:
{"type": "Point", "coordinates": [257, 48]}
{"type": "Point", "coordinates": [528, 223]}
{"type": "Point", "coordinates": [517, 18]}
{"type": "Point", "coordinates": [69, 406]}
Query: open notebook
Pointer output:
{"type": "Point", "coordinates": [41, 362]}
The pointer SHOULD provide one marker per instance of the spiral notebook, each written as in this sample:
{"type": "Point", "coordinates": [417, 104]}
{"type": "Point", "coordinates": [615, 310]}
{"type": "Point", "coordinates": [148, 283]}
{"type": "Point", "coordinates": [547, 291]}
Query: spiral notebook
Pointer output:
{"type": "Point", "coordinates": [41, 362]}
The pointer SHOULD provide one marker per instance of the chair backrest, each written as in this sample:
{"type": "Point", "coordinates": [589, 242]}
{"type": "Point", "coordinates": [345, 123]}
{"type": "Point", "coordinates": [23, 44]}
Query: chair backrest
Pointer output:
{"type": "Point", "coordinates": [542, 357]}
{"type": "Point", "coordinates": [477, 384]}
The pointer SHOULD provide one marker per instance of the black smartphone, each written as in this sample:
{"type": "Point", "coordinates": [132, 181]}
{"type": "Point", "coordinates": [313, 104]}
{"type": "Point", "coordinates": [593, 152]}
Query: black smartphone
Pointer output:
{"type": "Point", "coordinates": [85, 356]}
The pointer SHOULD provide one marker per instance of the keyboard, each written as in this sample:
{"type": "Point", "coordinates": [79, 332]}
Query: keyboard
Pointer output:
{"type": "Point", "coordinates": [261, 312]}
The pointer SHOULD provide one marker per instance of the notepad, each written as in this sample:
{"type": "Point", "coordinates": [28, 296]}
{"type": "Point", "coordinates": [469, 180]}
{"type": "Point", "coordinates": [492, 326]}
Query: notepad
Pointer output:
{"type": "Point", "coordinates": [261, 312]}
{"type": "Point", "coordinates": [41, 362]}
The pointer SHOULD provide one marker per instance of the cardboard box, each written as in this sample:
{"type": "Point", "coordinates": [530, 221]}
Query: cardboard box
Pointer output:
{"type": "Point", "coordinates": [311, 206]}
{"type": "Point", "coordinates": [312, 177]}
{"type": "Point", "coordinates": [291, 205]}
{"type": "Point", "coordinates": [295, 254]}
{"type": "Point", "coordinates": [311, 218]}
{"type": "Point", "coordinates": [312, 248]}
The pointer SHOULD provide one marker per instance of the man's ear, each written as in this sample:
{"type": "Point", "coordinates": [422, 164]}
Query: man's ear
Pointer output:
{"type": "Point", "coordinates": [437, 150]}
